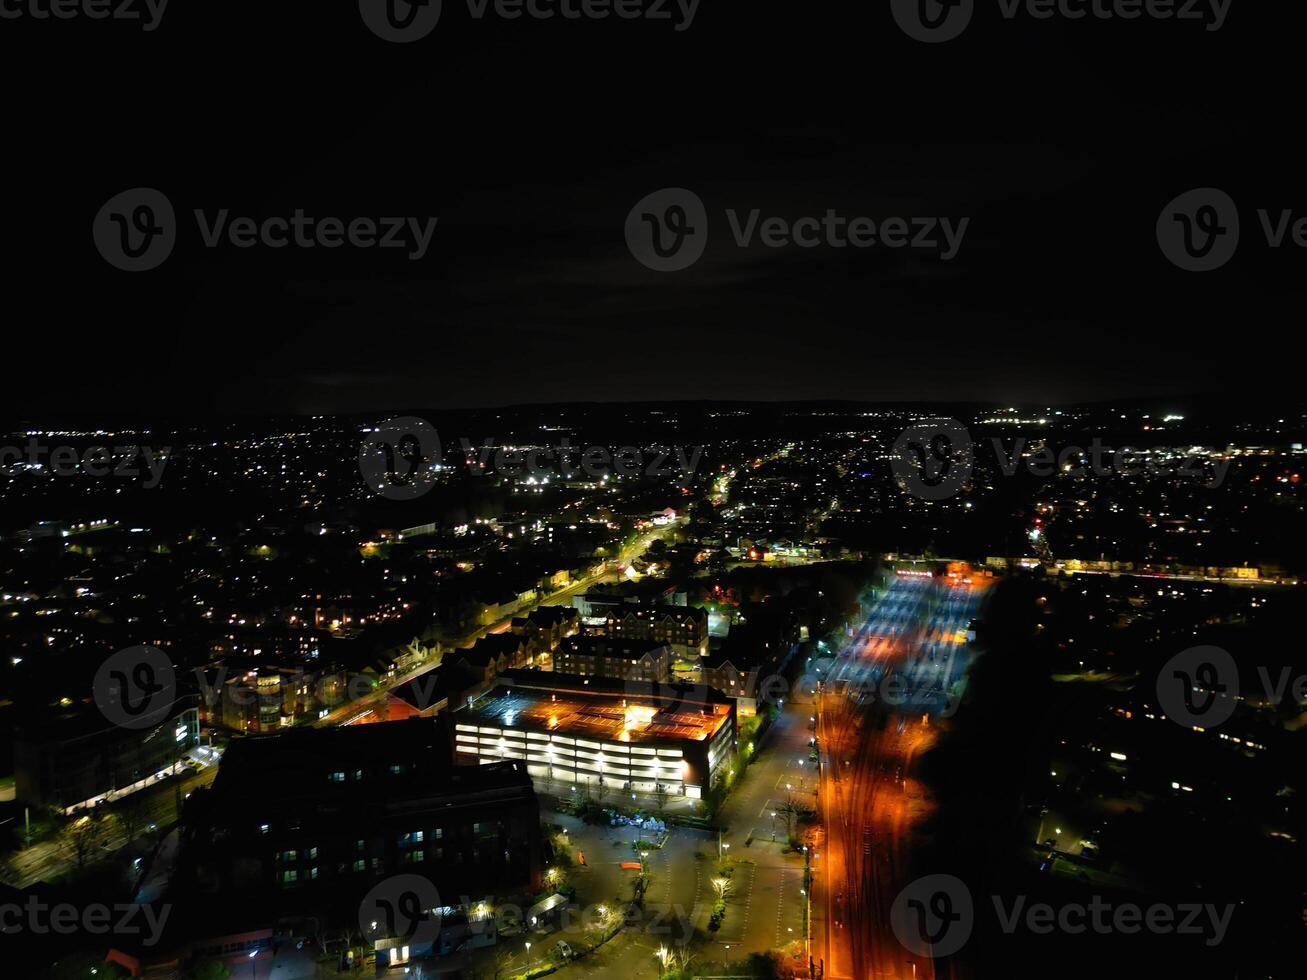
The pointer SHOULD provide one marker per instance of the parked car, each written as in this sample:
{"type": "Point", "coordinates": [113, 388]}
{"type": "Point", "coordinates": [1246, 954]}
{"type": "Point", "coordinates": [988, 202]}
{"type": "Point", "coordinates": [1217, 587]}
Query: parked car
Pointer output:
{"type": "Point", "coordinates": [563, 950]}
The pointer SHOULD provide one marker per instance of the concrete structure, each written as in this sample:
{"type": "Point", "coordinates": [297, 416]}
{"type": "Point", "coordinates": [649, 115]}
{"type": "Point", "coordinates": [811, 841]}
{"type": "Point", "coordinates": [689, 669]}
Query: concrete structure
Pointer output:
{"type": "Point", "coordinates": [592, 732]}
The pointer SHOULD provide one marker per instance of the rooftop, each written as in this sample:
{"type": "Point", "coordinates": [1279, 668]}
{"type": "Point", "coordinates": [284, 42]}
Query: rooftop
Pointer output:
{"type": "Point", "coordinates": [602, 715]}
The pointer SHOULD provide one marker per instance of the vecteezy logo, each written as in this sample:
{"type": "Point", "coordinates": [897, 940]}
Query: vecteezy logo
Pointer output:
{"type": "Point", "coordinates": [398, 458]}
{"type": "Point", "coordinates": [1197, 687]}
{"type": "Point", "coordinates": [136, 687]}
{"type": "Point", "coordinates": [1199, 230]}
{"type": "Point", "coordinates": [933, 21]}
{"type": "Point", "coordinates": [403, 907]}
{"type": "Point", "coordinates": [667, 230]}
{"type": "Point", "coordinates": [136, 230]}
{"type": "Point", "coordinates": [932, 460]}
{"type": "Point", "coordinates": [400, 21]}
{"type": "Point", "coordinates": [933, 916]}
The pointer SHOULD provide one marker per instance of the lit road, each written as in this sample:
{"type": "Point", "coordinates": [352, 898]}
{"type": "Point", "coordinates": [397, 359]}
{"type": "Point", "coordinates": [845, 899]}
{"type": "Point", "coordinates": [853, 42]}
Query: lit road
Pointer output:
{"type": "Point", "coordinates": [48, 859]}
{"type": "Point", "coordinates": [879, 694]}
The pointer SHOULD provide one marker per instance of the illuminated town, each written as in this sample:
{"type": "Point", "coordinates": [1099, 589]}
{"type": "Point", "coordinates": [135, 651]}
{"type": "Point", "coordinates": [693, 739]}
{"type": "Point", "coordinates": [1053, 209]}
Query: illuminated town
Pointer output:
{"type": "Point", "coordinates": [653, 490]}
{"type": "Point", "coordinates": [741, 710]}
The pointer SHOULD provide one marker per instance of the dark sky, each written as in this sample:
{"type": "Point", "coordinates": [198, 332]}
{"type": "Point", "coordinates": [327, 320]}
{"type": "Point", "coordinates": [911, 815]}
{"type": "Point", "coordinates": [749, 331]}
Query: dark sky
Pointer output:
{"type": "Point", "coordinates": [530, 141]}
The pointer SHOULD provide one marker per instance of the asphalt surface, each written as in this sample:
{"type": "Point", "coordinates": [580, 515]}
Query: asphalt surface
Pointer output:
{"type": "Point", "coordinates": [881, 694]}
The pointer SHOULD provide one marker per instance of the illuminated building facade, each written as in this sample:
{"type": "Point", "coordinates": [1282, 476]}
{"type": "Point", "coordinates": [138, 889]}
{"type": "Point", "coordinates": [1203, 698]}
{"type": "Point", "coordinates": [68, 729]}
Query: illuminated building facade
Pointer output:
{"type": "Point", "coordinates": [596, 733]}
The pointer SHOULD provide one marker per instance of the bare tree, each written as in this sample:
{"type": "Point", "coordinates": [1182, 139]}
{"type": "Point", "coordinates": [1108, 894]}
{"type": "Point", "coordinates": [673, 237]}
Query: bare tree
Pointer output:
{"type": "Point", "coordinates": [678, 959]}
{"type": "Point", "coordinates": [84, 834]}
{"type": "Point", "coordinates": [790, 810]}
{"type": "Point", "coordinates": [132, 814]}
{"type": "Point", "coordinates": [504, 956]}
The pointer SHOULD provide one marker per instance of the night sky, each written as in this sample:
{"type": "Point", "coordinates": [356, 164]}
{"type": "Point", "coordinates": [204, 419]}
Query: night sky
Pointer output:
{"type": "Point", "coordinates": [530, 141]}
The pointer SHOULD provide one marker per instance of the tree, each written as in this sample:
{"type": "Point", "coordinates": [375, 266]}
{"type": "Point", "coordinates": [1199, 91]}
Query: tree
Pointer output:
{"type": "Point", "coordinates": [84, 834]}
{"type": "Point", "coordinates": [132, 814]}
{"type": "Point", "coordinates": [676, 962]}
{"type": "Point", "coordinates": [790, 811]}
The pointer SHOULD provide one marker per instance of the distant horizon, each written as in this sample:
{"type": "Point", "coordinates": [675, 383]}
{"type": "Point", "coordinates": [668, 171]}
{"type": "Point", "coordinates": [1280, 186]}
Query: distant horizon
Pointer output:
{"type": "Point", "coordinates": [1159, 401]}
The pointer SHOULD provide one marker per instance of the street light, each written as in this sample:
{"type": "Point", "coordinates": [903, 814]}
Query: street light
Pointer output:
{"type": "Point", "coordinates": [528, 956]}
{"type": "Point", "coordinates": [662, 955]}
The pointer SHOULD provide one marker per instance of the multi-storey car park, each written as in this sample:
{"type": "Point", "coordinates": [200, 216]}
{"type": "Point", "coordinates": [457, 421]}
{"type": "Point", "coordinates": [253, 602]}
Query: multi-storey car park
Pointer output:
{"type": "Point", "coordinates": [586, 732]}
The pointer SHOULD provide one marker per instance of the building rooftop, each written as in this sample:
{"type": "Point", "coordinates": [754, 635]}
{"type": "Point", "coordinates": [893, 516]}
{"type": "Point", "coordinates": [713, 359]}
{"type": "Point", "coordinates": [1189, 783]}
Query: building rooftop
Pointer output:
{"type": "Point", "coordinates": [296, 763]}
{"type": "Point", "coordinates": [608, 715]}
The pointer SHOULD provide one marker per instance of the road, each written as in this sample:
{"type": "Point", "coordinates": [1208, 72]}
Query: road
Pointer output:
{"type": "Point", "coordinates": [765, 910]}
{"type": "Point", "coordinates": [902, 668]}
{"type": "Point", "coordinates": [52, 858]}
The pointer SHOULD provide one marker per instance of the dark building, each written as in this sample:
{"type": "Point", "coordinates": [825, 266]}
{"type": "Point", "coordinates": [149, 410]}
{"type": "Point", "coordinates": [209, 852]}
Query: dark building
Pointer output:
{"type": "Point", "coordinates": [685, 628]}
{"type": "Point", "coordinates": [81, 759]}
{"type": "Point", "coordinates": [445, 687]}
{"type": "Point", "coordinates": [757, 650]}
{"type": "Point", "coordinates": [636, 660]}
{"type": "Point", "coordinates": [307, 821]}
{"type": "Point", "coordinates": [495, 652]}
{"type": "Point", "coordinates": [548, 625]}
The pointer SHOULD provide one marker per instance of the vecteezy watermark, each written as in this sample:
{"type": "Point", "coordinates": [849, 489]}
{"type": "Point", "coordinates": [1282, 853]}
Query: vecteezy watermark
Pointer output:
{"type": "Point", "coordinates": [934, 21]}
{"type": "Point", "coordinates": [94, 461]}
{"type": "Point", "coordinates": [148, 13]}
{"type": "Point", "coordinates": [1103, 918]}
{"type": "Point", "coordinates": [400, 21]}
{"type": "Point", "coordinates": [399, 458]}
{"type": "Point", "coordinates": [1100, 460]}
{"type": "Point", "coordinates": [405, 21]}
{"type": "Point", "coordinates": [97, 919]}
{"type": "Point", "coordinates": [135, 687]}
{"type": "Point", "coordinates": [405, 907]}
{"type": "Point", "coordinates": [1199, 231]}
{"type": "Point", "coordinates": [567, 462]}
{"type": "Point", "coordinates": [1199, 687]}
{"type": "Point", "coordinates": [137, 230]}
{"type": "Point", "coordinates": [934, 917]}
{"type": "Point", "coordinates": [667, 231]}
{"type": "Point", "coordinates": [138, 687]}
{"type": "Point", "coordinates": [934, 460]}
